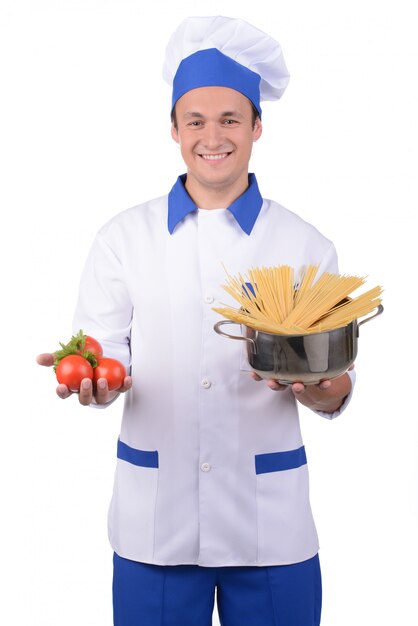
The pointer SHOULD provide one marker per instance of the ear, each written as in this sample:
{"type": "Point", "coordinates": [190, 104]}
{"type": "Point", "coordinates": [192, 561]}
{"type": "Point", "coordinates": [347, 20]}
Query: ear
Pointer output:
{"type": "Point", "coordinates": [258, 129]}
{"type": "Point", "coordinates": [174, 133]}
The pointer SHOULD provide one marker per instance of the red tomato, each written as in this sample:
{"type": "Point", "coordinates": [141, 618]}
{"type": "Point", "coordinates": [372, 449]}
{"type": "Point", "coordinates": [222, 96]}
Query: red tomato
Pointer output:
{"type": "Point", "coordinates": [72, 369]}
{"type": "Point", "coordinates": [112, 370]}
{"type": "Point", "coordinates": [93, 346]}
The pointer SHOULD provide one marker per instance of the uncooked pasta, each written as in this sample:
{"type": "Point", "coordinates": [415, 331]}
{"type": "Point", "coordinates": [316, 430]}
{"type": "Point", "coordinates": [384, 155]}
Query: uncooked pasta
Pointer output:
{"type": "Point", "coordinates": [271, 300]}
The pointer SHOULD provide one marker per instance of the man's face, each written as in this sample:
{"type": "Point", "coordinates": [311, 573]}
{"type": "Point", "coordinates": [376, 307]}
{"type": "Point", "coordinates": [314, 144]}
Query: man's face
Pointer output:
{"type": "Point", "coordinates": [215, 132]}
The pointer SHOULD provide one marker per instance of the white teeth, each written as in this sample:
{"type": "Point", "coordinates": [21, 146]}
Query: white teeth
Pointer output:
{"type": "Point", "coordinates": [214, 157]}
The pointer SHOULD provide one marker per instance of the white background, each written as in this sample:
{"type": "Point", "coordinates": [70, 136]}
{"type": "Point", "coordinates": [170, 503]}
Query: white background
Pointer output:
{"type": "Point", "coordinates": [85, 134]}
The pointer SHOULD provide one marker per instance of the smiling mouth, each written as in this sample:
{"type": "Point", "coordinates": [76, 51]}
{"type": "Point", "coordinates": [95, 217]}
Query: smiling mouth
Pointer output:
{"type": "Point", "coordinates": [215, 157]}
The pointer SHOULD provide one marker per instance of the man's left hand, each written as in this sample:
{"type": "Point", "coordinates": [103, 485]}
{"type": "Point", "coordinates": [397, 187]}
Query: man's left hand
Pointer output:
{"type": "Point", "coordinates": [328, 395]}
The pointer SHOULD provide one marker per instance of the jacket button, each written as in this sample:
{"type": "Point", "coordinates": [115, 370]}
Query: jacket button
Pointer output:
{"type": "Point", "coordinates": [205, 467]}
{"type": "Point", "coordinates": [209, 299]}
{"type": "Point", "coordinates": [206, 383]}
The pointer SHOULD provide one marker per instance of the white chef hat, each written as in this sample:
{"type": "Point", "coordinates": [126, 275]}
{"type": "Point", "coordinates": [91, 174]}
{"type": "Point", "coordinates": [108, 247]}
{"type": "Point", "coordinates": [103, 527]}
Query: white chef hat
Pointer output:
{"type": "Point", "coordinates": [225, 52]}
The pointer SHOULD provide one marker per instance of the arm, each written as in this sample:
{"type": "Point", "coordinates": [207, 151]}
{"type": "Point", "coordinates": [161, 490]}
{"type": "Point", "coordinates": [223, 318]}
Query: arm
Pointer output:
{"type": "Point", "coordinates": [104, 311]}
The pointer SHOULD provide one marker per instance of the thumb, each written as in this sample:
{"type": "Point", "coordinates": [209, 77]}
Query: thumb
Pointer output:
{"type": "Point", "coordinates": [46, 359]}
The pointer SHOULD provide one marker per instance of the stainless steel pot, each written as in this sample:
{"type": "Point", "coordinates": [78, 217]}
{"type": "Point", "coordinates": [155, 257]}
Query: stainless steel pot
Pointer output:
{"type": "Point", "coordinates": [300, 358]}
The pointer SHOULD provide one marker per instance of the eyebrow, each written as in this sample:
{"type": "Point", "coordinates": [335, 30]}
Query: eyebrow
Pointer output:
{"type": "Point", "coordinates": [231, 114]}
{"type": "Point", "coordinates": [190, 114]}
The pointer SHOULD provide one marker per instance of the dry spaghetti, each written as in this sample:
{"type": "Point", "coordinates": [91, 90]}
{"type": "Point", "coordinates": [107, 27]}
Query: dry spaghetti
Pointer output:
{"type": "Point", "coordinates": [270, 300]}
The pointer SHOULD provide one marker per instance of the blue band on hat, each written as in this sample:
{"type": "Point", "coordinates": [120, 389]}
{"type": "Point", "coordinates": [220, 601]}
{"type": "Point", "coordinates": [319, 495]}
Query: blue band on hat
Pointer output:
{"type": "Point", "coordinates": [211, 68]}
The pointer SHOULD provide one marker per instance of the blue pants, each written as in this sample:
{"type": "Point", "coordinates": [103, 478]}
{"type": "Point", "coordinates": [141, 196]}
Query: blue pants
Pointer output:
{"type": "Point", "coordinates": [184, 595]}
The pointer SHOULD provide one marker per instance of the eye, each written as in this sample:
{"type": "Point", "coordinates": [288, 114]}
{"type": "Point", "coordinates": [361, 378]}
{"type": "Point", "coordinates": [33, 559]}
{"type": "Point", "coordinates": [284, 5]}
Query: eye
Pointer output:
{"type": "Point", "coordinates": [230, 122]}
{"type": "Point", "coordinates": [195, 123]}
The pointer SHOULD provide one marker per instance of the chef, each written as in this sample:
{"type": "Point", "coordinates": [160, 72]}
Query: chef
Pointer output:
{"type": "Point", "coordinates": [211, 490]}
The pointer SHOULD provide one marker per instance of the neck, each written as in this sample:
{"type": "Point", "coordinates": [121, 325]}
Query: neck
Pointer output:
{"type": "Point", "coordinates": [216, 197]}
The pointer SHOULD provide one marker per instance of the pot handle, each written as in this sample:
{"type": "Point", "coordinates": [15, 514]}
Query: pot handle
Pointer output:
{"type": "Point", "coordinates": [378, 312]}
{"type": "Point", "coordinates": [217, 329]}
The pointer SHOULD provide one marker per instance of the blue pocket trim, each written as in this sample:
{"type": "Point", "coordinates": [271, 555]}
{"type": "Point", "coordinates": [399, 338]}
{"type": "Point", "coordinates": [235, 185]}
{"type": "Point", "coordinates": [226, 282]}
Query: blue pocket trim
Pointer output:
{"type": "Point", "coordinates": [280, 461]}
{"type": "Point", "coordinates": [141, 458]}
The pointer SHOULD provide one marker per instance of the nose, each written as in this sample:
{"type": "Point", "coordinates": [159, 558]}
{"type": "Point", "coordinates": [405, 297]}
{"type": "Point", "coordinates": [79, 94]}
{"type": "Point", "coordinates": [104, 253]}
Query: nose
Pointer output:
{"type": "Point", "coordinates": [213, 136]}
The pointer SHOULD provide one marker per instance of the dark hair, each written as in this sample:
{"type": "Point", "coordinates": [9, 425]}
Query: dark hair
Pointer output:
{"type": "Point", "coordinates": [255, 115]}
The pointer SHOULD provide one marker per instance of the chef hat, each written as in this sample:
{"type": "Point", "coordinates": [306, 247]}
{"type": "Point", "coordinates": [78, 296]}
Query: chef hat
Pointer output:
{"type": "Point", "coordinates": [225, 52]}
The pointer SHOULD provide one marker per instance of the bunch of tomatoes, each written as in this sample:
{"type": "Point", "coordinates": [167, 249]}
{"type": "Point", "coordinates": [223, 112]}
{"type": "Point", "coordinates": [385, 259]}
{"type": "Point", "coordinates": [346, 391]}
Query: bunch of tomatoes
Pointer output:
{"type": "Point", "coordinates": [82, 357]}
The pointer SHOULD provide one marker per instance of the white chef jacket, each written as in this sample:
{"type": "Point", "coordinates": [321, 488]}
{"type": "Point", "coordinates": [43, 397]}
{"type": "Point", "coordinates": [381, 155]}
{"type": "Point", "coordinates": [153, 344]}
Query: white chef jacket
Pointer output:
{"type": "Point", "coordinates": [211, 467]}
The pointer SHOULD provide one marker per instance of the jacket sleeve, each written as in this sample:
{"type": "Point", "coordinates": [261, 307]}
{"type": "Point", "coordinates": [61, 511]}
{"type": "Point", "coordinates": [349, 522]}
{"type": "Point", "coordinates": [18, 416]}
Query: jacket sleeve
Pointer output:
{"type": "Point", "coordinates": [104, 308]}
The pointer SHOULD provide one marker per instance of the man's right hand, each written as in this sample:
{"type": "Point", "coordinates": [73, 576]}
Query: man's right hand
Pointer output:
{"type": "Point", "coordinates": [87, 395]}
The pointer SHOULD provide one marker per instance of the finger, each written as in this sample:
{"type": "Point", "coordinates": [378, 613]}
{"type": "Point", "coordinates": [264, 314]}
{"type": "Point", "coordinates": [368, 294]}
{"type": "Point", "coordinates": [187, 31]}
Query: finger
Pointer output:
{"type": "Point", "coordinates": [63, 392]}
{"type": "Point", "coordinates": [275, 385]}
{"type": "Point", "coordinates": [324, 384]}
{"type": "Point", "coordinates": [46, 359]}
{"type": "Point", "coordinates": [255, 376]}
{"type": "Point", "coordinates": [102, 391]}
{"type": "Point", "coordinates": [127, 384]}
{"type": "Point", "coordinates": [298, 388]}
{"type": "Point", "coordinates": [85, 397]}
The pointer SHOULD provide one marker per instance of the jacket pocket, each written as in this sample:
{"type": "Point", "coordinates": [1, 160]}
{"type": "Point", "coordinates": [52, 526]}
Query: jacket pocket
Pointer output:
{"type": "Point", "coordinates": [140, 458]}
{"type": "Point", "coordinates": [286, 530]}
{"type": "Point", "coordinates": [132, 509]}
{"type": "Point", "coordinates": [280, 461]}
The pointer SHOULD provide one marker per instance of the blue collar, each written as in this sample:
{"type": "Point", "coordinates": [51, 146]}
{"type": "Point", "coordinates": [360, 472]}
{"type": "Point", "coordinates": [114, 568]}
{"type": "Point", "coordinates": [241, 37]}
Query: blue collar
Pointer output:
{"type": "Point", "coordinates": [245, 209]}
